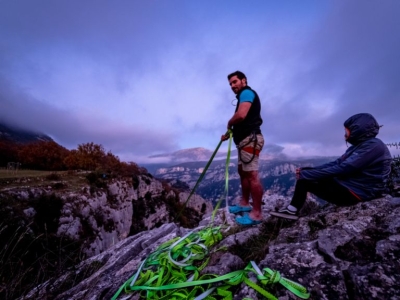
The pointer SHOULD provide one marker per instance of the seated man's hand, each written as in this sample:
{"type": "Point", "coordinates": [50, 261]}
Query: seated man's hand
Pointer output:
{"type": "Point", "coordinates": [224, 137]}
{"type": "Point", "coordinates": [298, 173]}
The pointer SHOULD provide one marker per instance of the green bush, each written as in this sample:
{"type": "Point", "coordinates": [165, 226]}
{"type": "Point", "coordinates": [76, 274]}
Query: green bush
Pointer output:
{"type": "Point", "coordinates": [97, 179]}
{"type": "Point", "coordinates": [394, 178]}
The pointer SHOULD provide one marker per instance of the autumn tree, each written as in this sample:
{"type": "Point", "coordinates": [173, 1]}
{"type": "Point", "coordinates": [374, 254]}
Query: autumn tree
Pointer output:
{"type": "Point", "coordinates": [71, 161]}
{"type": "Point", "coordinates": [131, 168]}
{"type": "Point", "coordinates": [111, 163]}
{"type": "Point", "coordinates": [43, 155]}
{"type": "Point", "coordinates": [90, 156]}
{"type": "Point", "coordinates": [8, 152]}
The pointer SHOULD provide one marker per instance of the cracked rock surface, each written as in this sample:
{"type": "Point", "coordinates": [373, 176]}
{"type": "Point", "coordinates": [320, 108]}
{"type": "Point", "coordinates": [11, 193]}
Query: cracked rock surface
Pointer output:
{"type": "Point", "coordinates": [336, 253]}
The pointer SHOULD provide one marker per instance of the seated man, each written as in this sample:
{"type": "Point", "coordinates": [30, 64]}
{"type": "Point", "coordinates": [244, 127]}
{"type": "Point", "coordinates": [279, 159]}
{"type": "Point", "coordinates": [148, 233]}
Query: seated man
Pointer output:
{"type": "Point", "coordinates": [360, 174]}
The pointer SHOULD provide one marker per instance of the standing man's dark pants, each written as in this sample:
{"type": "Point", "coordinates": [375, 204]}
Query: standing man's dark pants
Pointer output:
{"type": "Point", "coordinates": [328, 190]}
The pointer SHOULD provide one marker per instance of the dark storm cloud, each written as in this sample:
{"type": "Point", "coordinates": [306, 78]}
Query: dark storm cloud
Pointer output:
{"type": "Point", "coordinates": [123, 33]}
{"type": "Point", "coordinates": [351, 60]}
{"type": "Point", "coordinates": [140, 76]}
{"type": "Point", "coordinates": [70, 129]}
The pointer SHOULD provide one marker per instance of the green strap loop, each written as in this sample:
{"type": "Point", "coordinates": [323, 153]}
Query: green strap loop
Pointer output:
{"type": "Point", "coordinates": [228, 276]}
{"type": "Point", "coordinates": [259, 289]}
{"type": "Point", "coordinates": [205, 294]}
{"type": "Point", "coordinates": [271, 277]}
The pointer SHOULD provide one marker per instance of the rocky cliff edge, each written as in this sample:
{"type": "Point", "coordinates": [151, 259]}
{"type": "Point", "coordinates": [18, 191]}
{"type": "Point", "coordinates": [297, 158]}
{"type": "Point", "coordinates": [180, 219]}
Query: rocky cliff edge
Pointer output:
{"type": "Point", "coordinates": [336, 253]}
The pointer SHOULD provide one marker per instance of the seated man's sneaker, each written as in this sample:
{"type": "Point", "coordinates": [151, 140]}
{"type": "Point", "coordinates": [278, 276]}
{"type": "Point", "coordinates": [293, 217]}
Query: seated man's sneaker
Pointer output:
{"type": "Point", "coordinates": [285, 213]}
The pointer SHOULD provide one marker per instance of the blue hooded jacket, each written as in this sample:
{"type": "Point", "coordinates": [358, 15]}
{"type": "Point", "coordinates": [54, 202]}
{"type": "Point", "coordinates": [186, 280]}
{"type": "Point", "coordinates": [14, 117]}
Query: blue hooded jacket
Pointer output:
{"type": "Point", "coordinates": [365, 167]}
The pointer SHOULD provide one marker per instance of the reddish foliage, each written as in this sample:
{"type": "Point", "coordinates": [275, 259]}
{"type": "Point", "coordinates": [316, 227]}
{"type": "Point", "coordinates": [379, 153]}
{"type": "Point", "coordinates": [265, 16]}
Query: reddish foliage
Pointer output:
{"type": "Point", "coordinates": [43, 156]}
{"type": "Point", "coordinates": [8, 152]}
{"type": "Point", "coordinates": [48, 155]}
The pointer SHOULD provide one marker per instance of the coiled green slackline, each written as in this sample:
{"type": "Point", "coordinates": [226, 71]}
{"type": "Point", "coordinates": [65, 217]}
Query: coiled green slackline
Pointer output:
{"type": "Point", "coordinates": [171, 272]}
{"type": "Point", "coordinates": [172, 263]}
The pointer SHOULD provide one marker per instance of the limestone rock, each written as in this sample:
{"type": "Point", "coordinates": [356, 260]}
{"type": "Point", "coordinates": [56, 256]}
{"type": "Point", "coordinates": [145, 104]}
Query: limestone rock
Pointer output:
{"type": "Point", "coordinates": [196, 202]}
{"type": "Point", "coordinates": [102, 217]}
{"type": "Point", "coordinates": [335, 252]}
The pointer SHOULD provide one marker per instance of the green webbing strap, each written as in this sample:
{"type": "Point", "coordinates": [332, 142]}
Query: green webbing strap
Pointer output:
{"type": "Point", "coordinates": [233, 278]}
{"type": "Point", "coordinates": [271, 277]}
{"type": "Point", "coordinates": [229, 132]}
{"type": "Point", "coordinates": [170, 273]}
{"type": "Point", "coordinates": [228, 159]}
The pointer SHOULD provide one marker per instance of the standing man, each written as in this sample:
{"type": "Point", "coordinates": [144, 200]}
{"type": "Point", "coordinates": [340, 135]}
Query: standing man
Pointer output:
{"type": "Point", "coordinates": [245, 125]}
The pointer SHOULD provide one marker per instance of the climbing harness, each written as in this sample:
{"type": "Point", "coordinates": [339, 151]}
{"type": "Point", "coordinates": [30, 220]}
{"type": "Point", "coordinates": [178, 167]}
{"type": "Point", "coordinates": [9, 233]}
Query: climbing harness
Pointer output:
{"type": "Point", "coordinates": [172, 271]}
{"type": "Point", "coordinates": [249, 149]}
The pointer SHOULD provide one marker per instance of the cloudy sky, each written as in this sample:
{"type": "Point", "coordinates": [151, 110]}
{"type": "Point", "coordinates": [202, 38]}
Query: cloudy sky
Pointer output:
{"type": "Point", "coordinates": [149, 77]}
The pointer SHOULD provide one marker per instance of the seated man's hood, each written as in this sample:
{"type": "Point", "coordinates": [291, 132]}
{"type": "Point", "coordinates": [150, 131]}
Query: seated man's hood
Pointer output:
{"type": "Point", "coordinates": [362, 127]}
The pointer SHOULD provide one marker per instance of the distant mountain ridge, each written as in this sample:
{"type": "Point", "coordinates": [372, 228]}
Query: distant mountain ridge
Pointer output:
{"type": "Point", "coordinates": [277, 176]}
{"type": "Point", "coordinates": [17, 135]}
{"type": "Point", "coordinates": [277, 171]}
{"type": "Point", "coordinates": [199, 154]}
{"type": "Point", "coordinates": [191, 154]}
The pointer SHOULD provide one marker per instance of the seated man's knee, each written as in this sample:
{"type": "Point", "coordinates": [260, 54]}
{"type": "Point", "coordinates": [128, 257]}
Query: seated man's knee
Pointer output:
{"type": "Point", "coordinates": [302, 182]}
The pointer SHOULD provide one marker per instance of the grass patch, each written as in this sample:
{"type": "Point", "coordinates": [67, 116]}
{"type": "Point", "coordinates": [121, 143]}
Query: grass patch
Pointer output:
{"type": "Point", "coordinates": [61, 180]}
{"type": "Point", "coordinates": [256, 246]}
{"type": "Point", "coordinates": [315, 226]}
{"type": "Point", "coordinates": [7, 174]}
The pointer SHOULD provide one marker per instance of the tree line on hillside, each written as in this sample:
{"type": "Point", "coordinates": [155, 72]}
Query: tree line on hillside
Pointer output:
{"type": "Point", "coordinates": [50, 156]}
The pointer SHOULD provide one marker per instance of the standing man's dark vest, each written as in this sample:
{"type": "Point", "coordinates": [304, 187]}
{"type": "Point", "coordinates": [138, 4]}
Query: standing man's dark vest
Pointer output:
{"type": "Point", "coordinates": [251, 123]}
